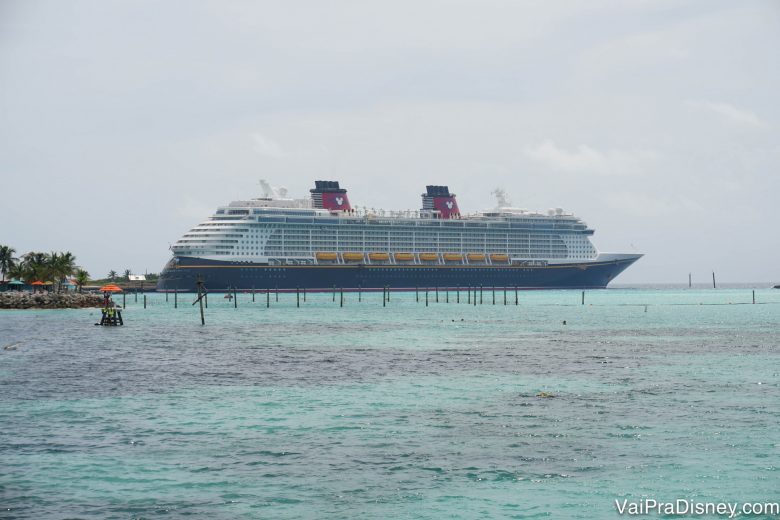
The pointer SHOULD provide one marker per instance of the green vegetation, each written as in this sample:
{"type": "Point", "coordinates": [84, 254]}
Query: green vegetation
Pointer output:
{"type": "Point", "coordinates": [7, 260]}
{"type": "Point", "coordinates": [55, 267]}
{"type": "Point", "coordinates": [52, 267]}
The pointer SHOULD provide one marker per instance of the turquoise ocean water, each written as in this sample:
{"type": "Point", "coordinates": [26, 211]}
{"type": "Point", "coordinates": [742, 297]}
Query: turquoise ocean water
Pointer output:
{"type": "Point", "coordinates": [405, 411]}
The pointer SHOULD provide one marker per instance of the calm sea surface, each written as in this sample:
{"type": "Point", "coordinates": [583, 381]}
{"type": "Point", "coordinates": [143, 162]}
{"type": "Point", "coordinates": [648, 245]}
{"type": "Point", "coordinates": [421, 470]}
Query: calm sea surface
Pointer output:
{"type": "Point", "coordinates": [406, 411]}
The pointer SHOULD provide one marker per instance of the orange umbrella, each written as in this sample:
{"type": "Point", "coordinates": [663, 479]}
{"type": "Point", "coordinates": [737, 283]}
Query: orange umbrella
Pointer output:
{"type": "Point", "coordinates": [111, 288]}
{"type": "Point", "coordinates": [37, 282]}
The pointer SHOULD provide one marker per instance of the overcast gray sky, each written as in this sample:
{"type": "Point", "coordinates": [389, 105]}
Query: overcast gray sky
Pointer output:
{"type": "Point", "coordinates": [124, 123]}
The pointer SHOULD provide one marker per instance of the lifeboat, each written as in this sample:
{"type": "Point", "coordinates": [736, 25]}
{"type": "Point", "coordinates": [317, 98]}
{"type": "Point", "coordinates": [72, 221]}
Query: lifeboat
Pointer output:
{"type": "Point", "coordinates": [475, 257]}
{"type": "Point", "coordinates": [326, 256]}
{"type": "Point", "coordinates": [453, 257]}
{"type": "Point", "coordinates": [352, 257]}
{"type": "Point", "coordinates": [403, 257]}
{"type": "Point", "coordinates": [378, 257]}
{"type": "Point", "coordinates": [429, 257]}
{"type": "Point", "coordinates": [499, 258]}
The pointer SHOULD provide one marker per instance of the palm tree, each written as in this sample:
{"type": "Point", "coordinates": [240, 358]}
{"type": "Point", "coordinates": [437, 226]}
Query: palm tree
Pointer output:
{"type": "Point", "coordinates": [61, 265]}
{"type": "Point", "coordinates": [112, 275]}
{"type": "Point", "coordinates": [127, 275]}
{"type": "Point", "coordinates": [7, 260]}
{"type": "Point", "coordinates": [82, 278]}
{"type": "Point", "coordinates": [37, 266]}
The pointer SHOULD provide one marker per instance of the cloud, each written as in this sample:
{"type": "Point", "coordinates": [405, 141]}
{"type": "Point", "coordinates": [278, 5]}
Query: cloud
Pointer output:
{"type": "Point", "coordinates": [266, 146]}
{"type": "Point", "coordinates": [731, 113]}
{"type": "Point", "coordinates": [585, 159]}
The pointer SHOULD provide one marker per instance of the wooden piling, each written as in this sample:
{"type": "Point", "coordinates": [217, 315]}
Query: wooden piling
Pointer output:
{"type": "Point", "coordinates": [494, 294]}
{"type": "Point", "coordinates": [417, 294]}
{"type": "Point", "coordinates": [468, 301]}
{"type": "Point", "coordinates": [437, 294]}
{"type": "Point", "coordinates": [166, 296]}
{"type": "Point", "coordinates": [713, 280]}
{"type": "Point", "coordinates": [304, 295]}
{"type": "Point", "coordinates": [457, 294]}
{"type": "Point", "coordinates": [475, 296]}
{"type": "Point", "coordinates": [206, 297]}
{"type": "Point", "coordinates": [583, 298]}
{"type": "Point", "coordinates": [235, 299]}
{"type": "Point", "coordinates": [175, 298]}
{"type": "Point", "coordinates": [754, 296]}
{"type": "Point", "coordinates": [341, 298]}
{"type": "Point", "coordinates": [276, 293]}
{"type": "Point", "coordinates": [124, 301]}
{"type": "Point", "coordinates": [136, 294]}
{"type": "Point", "coordinates": [297, 297]}
{"type": "Point", "coordinates": [388, 292]}
{"type": "Point", "coordinates": [504, 295]}
{"type": "Point", "coordinates": [689, 280]}
{"type": "Point", "coordinates": [200, 300]}
{"type": "Point", "coordinates": [480, 295]}
{"type": "Point", "coordinates": [384, 299]}
{"type": "Point", "coordinates": [267, 298]}
{"type": "Point", "coordinates": [515, 295]}
{"type": "Point", "coordinates": [426, 296]}
{"type": "Point", "coordinates": [144, 300]}
{"type": "Point", "coordinates": [253, 295]}
{"type": "Point", "coordinates": [446, 295]}
{"type": "Point", "coordinates": [360, 293]}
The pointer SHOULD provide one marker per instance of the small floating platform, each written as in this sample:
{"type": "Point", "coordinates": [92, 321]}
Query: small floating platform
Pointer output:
{"type": "Point", "coordinates": [111, 317]}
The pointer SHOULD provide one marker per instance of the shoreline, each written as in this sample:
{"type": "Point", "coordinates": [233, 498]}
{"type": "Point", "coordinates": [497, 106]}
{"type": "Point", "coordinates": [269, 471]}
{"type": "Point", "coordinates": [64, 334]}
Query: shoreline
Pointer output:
{"type": "Point", "coordinates": [24, 300]}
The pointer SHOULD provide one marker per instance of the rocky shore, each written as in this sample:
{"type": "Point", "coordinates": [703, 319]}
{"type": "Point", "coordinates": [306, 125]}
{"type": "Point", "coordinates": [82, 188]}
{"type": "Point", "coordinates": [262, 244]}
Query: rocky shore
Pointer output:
{"type": "Point", "coordinates": [46, 300]}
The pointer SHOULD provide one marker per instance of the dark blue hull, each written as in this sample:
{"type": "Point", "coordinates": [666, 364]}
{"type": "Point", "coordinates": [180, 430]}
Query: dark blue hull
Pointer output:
{"type": "Point", "coordinates": [217, 276]}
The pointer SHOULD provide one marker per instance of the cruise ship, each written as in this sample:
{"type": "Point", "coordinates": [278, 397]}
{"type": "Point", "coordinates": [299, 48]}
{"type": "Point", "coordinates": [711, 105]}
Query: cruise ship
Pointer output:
{"type": "Point", "coordinates": [322, 242]}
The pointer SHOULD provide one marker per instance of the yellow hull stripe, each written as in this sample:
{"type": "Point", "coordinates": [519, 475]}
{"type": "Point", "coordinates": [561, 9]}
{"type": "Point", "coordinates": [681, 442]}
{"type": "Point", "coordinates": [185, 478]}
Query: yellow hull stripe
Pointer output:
{"type": "Point", "coordinates": [556, 266]}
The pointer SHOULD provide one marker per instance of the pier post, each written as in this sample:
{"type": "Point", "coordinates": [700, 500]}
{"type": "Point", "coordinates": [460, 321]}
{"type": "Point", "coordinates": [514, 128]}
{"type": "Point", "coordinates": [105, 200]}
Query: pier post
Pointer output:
{"type": "Point", "coordinates": [297, 297]}
{"type": "Point", "coordinates": [515, 295]}
{"type": "Point", "coordinates": [384, 299]}
{"type": "Point", "coordinates": [206, 297]}
{"type": "Point", "coordinates": [200, 301]}
{"type": "Point", "coordinates": [504, 295]}
{"type": "Point", "coordinates": [583, 298]}
{"type": "Point", "coordinates": [388, 292]}
{"type": "Point", "coordinates": [457, 294]}
{"type": "Point", "coordinates": [341, 298]}
{"type": "Point", "coordinates": [360, 293]}
{"type": "Point", "coordinates": [166, 296]}
{"type": "Point", "coordinates": [136, 295]}
{"type": "Point", "coordinates": [480, 294]}
{"type": "Point", "coordinates": [754, 296]}
{"type": "Point", "coordinates": [235, 299]}
{"type": "Point", "coordinates": [175, 298]}
{"type": "Point", "coordinates": [446, 295]}
{"type": "Point", "coordinates": [144, 300]}
{"type": "Point", "coordinates": [124, 302]}
{"type": "Point", "coordinates": [689, 280]}
{"type": "Point", "coordinates": [253, 295]}
{"type": "Point", "coordinates": [494, 294]}
{"type": "Point", "coordinates": [334, 294]}
{"type": "Point", "coordinates": [713, 280]}
{"type": "Point", "coordinates": [468, 301]}
{"type": "Point", "coordinates": [276, 293]}
{"type": "Point", "coordinates": [426, 296]}
{"type": "Point", "coordinates": [475, 296]}
{"type": "Point", "coordinates": [417, 294]}
{"type": "Point", "coordinates": [437, 294]}
{"type": "Point", "coordinates": [304, 295]}
{"type": "Point", "coordinates": [267, 298]}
